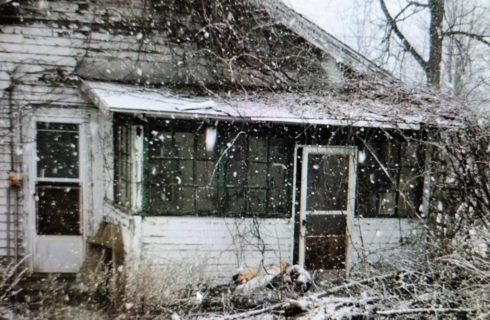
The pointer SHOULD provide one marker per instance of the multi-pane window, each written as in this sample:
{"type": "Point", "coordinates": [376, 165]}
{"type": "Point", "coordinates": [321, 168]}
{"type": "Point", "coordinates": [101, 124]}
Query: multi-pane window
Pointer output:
{"type": "Point", "coordinates": [177, 175]}
{"type": "Point", "coordinates": [58, 189]}
{"type": "Point", "coordinates": [390, 179]}
{"type": "Point", "coordinates": [256, 176]}
{"type": "Point", "coordinates": [248, 170]}
{"type": "Point", "coordinates": [242, 174]}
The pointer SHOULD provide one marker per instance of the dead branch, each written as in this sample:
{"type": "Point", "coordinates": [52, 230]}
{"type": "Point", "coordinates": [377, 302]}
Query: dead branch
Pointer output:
{"type": "Point", "coordinates": [307, 304]}
{"type": "Point", "coordinates": [479, 37]}
{"type": "Point", "coordinates": [353, 284]}
{"type": "Point", "coordinates": [424, 310]}
{"type": "Point", "coordinates": [248, 314]}
{"type": "Point", "coordinates": [406, 44]}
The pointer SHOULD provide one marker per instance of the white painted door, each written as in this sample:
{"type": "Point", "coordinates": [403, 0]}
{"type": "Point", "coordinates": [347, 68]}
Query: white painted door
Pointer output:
{"type": "Point", "coordinates": [58, 244]}
{"type": "Point", "coordinates": [327, 199]}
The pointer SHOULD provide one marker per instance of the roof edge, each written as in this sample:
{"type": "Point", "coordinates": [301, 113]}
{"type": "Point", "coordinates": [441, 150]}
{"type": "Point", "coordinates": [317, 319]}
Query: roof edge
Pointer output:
{"type": "Point", "coordinates": [91, 90]}
{"type": "Point", "coordinates": [323, 40]}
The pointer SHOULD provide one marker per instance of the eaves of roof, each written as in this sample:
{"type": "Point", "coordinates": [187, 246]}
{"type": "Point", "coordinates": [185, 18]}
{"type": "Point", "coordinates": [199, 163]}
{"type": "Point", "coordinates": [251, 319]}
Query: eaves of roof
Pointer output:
{"type": "Point", "coordinates": [285, 108]}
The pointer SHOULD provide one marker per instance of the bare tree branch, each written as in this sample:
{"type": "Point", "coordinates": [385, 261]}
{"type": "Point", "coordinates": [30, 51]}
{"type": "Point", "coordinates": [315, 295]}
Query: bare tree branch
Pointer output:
{"type": "Point", "coordinates": [418, 4]}
{"type": "Point", "coordinates": [406, 44]}
{"type": "Point", "coordinates": [425, 310]}
{"type": "Point", "coordinates": [479, 37]}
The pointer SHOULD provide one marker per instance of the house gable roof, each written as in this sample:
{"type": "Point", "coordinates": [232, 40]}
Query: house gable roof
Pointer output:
{"type": "Point", "coordinates": [323, 40]}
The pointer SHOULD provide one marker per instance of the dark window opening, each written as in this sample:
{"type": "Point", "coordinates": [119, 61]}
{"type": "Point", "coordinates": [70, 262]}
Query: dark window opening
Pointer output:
{"type": "Point", "coordinates": [58, 209]}
{"type": "Point", "coordinates": [241, 171]}
{"type": "Point", "coordinates": [57, 150]}
{"type": "Point", "coordinates": [244, 173]}
{"type": "Point", "coordinates": [248, 170]}
{"type": "Point", "coordinates": [328, 182]}
{"type": "Point", "coordinates": [390, 178]}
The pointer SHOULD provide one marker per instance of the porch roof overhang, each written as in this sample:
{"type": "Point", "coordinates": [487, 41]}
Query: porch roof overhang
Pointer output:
{"type": "Point", "coordinates": [285, 108]}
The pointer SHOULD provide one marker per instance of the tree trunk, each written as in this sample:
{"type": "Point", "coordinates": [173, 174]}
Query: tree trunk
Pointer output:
{"type": "Point", "coordinates": [433, 67]}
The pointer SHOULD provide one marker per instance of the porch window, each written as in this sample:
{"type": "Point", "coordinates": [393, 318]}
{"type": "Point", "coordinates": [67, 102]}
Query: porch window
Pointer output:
{"type": "Point", "coordinates": [245, 173]}
{"type": "Point", "coordinates": [390, 179]}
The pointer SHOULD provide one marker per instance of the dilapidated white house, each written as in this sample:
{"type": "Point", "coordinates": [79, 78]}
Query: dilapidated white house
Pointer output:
{"type": "Point", "coordinates": [218, 134]}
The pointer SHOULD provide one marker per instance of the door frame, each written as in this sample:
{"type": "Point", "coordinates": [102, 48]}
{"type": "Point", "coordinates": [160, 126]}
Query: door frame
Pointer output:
{"type": "Point", "coordinates": [29, 145]}
{"type": "Point", "coordinates": [299, 212]}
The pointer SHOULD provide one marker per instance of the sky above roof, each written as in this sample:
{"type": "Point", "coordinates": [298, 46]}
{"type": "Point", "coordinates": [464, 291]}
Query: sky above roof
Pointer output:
{"type": "Point", "coordinates": [358, 23]}
{"type": "Point", "coordinates": [328, 14]}
{"type": "Point", "coordinates": [351, 20]}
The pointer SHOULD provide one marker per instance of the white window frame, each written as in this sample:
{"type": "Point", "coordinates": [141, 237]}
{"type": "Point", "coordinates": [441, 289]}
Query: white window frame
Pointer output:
{"type": "Point", "coordinates": [136, 161]}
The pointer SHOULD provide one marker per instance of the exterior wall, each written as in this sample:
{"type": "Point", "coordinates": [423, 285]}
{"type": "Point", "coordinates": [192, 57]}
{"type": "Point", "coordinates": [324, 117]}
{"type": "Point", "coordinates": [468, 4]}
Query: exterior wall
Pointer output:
{"type": "Point", "coordinates": [41, 58]}
{"type": "Point", "coordinates": [217, 247]}
{"type": "Point", "coordinates": [204, 248]}
{"type": "Point", "coordinates": [9, 210]}
{"type": "Point", "coordinates": [7, 220]}
{"type": "Point", "coordinates": [378, 240]}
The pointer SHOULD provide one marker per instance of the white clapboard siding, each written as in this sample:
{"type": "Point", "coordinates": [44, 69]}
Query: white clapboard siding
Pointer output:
{"type": "Point", "coordinates": [45, 47]}
{"type": "Point", "coordinates": [9, 224]}
{"type": "Point", "coordinates": [221, 246]}
{"type": "Point", "coordinates": [379, 238]}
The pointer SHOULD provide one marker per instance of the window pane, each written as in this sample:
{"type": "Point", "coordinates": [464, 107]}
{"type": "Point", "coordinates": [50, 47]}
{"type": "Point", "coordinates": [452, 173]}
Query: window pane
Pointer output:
{"type": "Point", "coordinates": [206, 199]}
{"type": "Point", "coordinates": [257, 149]}
{"type": "Point", "coordinates": [280, 186]}
{"type": "Point", "coordinates": [387, 204]}
{"type": "Point", "coordinates": [410, 154]}
{"type": "Point", "coordinates": [327, 185]}
{"type": "Point", "coordinates": [279, 150]}
{"type": "Point", "coordinates": [235, 172]}
{"type": "Point", "coordinates": [235, 201]}
{"type": "Point", "coordinates": [390, 153]}
{"type": "Point", "coordinates": [185, 200]}
{"type": "Point", "coordinates": [185, 172]}
{"type": "Point", "coordinates": [257, 201]}
{"type": "Point", "coordinates": [204, 173]}
{"type": "Point", "coordinates": [171, 199]}
{"type": "Point", "coordinates": [57, 150]}
{"type": "Point", "coordinates": [257, 175]}
{"type": "Point", "coordinates": [161, 145]}
{"type": "Point", "coordinates": [57, 126]}
{"type": "Point", "coordinates": [58, 209]}
{"type": "Point", "coordinates": [184, 145]}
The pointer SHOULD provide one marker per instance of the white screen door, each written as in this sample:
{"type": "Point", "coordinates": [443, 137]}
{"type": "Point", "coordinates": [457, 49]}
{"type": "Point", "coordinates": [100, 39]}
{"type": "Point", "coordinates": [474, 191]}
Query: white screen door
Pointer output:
{"type": "Point", "coordinates": [58, 240]}
{"type": "Point", "coordinates": [327, 198]}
